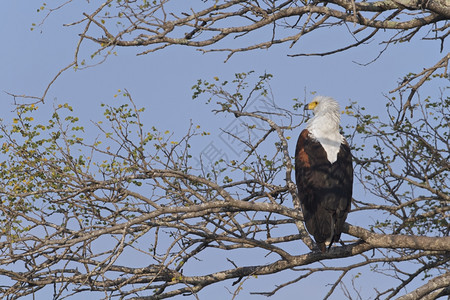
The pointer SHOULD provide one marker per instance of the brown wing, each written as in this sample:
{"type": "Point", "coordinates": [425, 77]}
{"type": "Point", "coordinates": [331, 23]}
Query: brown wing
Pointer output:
{"type": "Point", "coordinates": [342, 170]}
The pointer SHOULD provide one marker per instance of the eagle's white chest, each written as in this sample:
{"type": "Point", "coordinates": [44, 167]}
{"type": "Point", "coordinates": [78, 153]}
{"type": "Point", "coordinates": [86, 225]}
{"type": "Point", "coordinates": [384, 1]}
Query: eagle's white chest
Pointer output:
{"type": "Point", "coordinates": [324, 127]}
{"type": "Point", "coordinates": [330, 140]}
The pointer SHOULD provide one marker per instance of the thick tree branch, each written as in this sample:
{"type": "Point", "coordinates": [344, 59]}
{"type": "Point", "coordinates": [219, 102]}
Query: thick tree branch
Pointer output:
{"type": "Point", "coordinates": [438, 284]}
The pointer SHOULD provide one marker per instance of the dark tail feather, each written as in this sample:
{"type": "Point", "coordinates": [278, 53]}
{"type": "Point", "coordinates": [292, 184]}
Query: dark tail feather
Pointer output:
{"type": "Point", "coordinates": [336, 238]}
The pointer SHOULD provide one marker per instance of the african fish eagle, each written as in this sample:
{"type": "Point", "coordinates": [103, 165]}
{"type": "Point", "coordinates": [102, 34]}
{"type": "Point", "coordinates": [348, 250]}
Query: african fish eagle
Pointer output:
{"type": "Point", "coordinates": [324, 173]}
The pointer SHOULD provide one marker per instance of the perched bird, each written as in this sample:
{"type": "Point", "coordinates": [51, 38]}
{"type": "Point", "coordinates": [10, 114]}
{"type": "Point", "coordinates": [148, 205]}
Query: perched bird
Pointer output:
{"type": "Point", "coordinates": [324, 173]}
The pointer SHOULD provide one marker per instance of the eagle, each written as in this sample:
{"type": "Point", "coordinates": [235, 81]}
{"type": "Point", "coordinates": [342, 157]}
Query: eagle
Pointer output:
{"type": "Point", "coordinates": [324, 173]}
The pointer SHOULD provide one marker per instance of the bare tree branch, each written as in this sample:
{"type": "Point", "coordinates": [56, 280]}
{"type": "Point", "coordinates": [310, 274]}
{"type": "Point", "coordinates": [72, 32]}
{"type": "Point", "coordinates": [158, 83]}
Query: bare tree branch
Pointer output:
{"type": "Point", "coordinates": [157, 25]}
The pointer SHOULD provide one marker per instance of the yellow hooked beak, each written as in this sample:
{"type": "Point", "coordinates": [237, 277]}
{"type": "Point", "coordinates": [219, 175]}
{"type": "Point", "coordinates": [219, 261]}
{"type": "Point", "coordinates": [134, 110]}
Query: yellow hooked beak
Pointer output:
{"type": "Point", "coordinates": [311, 105]}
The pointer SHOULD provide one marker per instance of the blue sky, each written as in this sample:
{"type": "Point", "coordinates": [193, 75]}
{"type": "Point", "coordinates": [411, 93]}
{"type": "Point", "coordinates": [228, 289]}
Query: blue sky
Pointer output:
{"type": "Point", "coordinates": [162, 81]}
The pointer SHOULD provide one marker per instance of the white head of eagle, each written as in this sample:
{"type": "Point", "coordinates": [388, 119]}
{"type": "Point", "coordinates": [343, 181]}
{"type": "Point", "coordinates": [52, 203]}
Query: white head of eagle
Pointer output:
{"type": "Point", "coordinates": [324, 173]}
